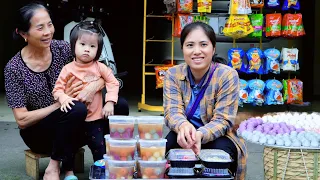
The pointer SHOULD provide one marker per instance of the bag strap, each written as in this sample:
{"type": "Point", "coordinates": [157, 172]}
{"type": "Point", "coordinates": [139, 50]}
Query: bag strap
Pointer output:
{"type": "Point", "coordinates": [201, 94]}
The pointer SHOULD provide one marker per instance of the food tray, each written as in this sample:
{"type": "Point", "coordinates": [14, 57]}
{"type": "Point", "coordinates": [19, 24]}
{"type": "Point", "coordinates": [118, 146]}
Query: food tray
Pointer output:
{"type": "Point", "coordinates": [184, 158]}
{"type": "Point", "coordinates": [221, 173]}
{"type": "Point", "coordinates": [215, 158]}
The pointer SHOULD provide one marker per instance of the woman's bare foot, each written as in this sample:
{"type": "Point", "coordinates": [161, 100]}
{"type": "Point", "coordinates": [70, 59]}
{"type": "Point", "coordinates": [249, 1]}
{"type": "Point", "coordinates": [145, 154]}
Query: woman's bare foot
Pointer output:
{"type": "Point", "coordinates": [53, 171]}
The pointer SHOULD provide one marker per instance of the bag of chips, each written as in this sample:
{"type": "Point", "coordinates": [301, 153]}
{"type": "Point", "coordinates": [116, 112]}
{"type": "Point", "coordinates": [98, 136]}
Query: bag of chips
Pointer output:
{"type": "Point", "coordinates": [184, 6]}
{"type": "Point", "coordinates": [204, 6]}
{"type": "Point", "coordinates": [255, 64]}
{"type": "Point", "coordinates": [243, 93]}
{"type": "Point", "coordinates": [273, 3]}
{"type": "Point", "coordinates": [273, 95]}
{"type": "Point", "coordinates": [257, 24]}
{"type": "Point", "coordinates": [235, 59]}
{"type": "Point", "coordinates": [238, 26]}
{"type": "Point", "coordinates": [292, 25]}
{"type": "Point", "coordinates": [203, 19]}
{"type": "Point", "coordinates": [291, 4]}
{"type": "Point", "coordinates": [295, 88]}
{"type": "Point", "coordinates": [272, 56]}
{"type": "Point", "coordinates": [240, 7]}
{"type": "Point", "coordinates": [273, 25]}
{"type": "Point", "coordinates": [257, 3]}
{"type": "Point", "coordinates": [289, 59]}
{"type": "Point", "coordinates": [285, 90]}
{"type": "Point", "coordinates": [160, 72]}
{"type": "Point", "coordinates": [256, 96]}
{"type": "Point", "coordinates": [181, 20]}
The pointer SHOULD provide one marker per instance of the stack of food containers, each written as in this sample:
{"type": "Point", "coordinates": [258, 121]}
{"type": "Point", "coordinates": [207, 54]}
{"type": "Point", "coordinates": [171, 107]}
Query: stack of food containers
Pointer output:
{"type": "Point", "coordinates": [151, 147]}
{"type": "Point", "coordinates": [120, 148]}
{"type": "Point", "coordinates": [182, 163]}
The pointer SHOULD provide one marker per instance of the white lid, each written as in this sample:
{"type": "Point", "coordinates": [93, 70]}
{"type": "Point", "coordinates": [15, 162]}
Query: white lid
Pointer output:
{"type": "Point", "coordinates": [116, 142]}
{"type": "Point", "coordinates": [107, 136]}
{"type": "Point", "coordinates": [153, 163]}
{"type": "Point", "coordinates": [150, 120]}
{"type": "Point", "coordinates": [121, 163]}
{"type": "Point", "coordinates": [121, 119]}
{"type": "Point", "coordinates": [149, 143]}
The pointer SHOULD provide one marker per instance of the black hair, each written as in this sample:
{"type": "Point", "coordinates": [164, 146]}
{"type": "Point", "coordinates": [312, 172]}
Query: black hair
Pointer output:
{"type": "Point", "coordinates": [86, 27]}
{"type": "Point", "coordinates": [208, 30]}
{"type": "Point", "coordinates": [24, 16]}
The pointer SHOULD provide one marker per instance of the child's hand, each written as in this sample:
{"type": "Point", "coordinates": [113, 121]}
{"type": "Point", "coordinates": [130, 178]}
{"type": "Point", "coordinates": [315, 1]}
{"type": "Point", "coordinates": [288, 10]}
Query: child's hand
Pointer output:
{"type": "Point", "coordinates": [108, 109]}
{"type": "Point", "coordinates": [66, 104]}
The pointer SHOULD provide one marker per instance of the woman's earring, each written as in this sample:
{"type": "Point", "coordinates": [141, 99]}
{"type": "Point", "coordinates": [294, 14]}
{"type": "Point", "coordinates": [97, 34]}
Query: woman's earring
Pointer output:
{"type": "Point", "coordinates": [25, 40]}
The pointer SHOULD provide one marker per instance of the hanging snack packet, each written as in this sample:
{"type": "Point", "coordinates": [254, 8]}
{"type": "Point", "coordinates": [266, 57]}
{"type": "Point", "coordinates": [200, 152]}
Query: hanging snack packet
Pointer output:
{"type": "Point", "coordinates": [160, 72]}
{"type": "Point", "coordinates": [289, 59]}
{"type": "Point", "coordinates": [291, 4]}
{"type": "Point", "coordinates": [254, 56]}
{"type": "Point", "coordinates": [257, 24]}
{"type": "Point", "coordinates": [285, 90]}
{"type": "Point", "coordinates": [184, 6]}
{"type": "Point", "coordinates": [181, 20]}
{"type": "Point", "coordinates": [292, 25]}
{"type": "Point", "coordinates": [273, 3]}
{"type": "Point", "coordinates": [243, 93]}
{"type": "Point", "coordinates": [256, 96]}
{"type": "Point", "coordinates": [203, 19]}
{"type": "Point", "coordinates": [295, 88]}
{"type": "Point", "coordinates": [238, 26]}
{"type": "Point", "coordinates": [273, 25]}
{"type": "Point", "coordinates": [272, 56]}
{"type": "Point", "coordinates": [204, 6]}
{"type": "Point", "coordinates": [274, 95]}
{"type": "Point", "coordinates": [257, 3]}
{"type": "Point", "coordinates": [235, 57]}
{"type": "Point", "coordinates": [240, 7]}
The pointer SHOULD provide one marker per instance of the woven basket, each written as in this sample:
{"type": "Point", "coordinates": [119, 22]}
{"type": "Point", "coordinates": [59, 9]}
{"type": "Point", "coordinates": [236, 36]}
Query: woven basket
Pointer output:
{"type": "Point", "coordinates": [280, 163]}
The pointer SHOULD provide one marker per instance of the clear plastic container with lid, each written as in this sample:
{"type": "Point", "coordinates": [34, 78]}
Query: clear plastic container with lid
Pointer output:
{"type": "Point", "coordinates": [215, 158]}
{"type": "Point", "coordinates": [150, 127]}
{"type": "Point", "coordinates": [122, 150]}
{"type": "Point", "coordinates": [121, 127]}
{"type": "Point", "coordinates": [121, 169]}
{"type": "Point", "coordinates": [152, 150]}
{"type": "Point", "coordinates": [181, 172]}
{"type": "Point", "coordinates": [152, 169]}
{"type": "Point", "coordinates": [107, 137]}
{"type": "Point", "coordinates": [182, 158]}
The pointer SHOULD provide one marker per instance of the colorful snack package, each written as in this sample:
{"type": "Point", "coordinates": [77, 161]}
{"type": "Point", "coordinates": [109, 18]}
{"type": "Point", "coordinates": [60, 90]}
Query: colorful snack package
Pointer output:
{"type": "Point", "coordinates": [292, 25]}
{"type": "Point", "coordinates": [181, 20]}
{"type": "Point", "coordinates": [257, 24]}
{"type": "Point", "coordinates": [272, 56]}
{"type": "Point", "coordinates": [291, 4]}
{"type": "Point", "coordinates": [285, 89]}
{"type": "Point", "coordinates": [235, 57]}
{"type": "Point", "coordinates": [243, 93]}
{"type": "Point", "coordinates": [295, 95]}
{"type": "Point", "coordinates": [273, 95]}
{"type": "Point", "coordinates": [184, 6]}
{"type": "Point", "coordinates": [273, 25]}
{"type": "Point", "coordinates": [203, 19]}
{"type": "Point", "coordinates": [160, 72]}
{"type": "Point", "coordinates": [257, 3]}
{"type": "Point", "coordinates": [255, 65]}
{"type": "Point", "coordinates": [238, 26]}
{"type": "Point", "coordinates": [273, 3]}
{"type": "Point", "coordinates": [289, 59]}
{"type": "Point", "coordinates": [240, 7]}
{"type": "Point", "coordinates": [204, 6]}
{"type": "Point", "coordinates": [256, 96]}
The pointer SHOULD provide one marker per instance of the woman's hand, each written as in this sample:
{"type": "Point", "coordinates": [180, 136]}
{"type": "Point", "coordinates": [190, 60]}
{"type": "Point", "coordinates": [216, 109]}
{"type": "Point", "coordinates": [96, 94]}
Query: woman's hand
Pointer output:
{"type": "Point", "coordinates": [186, 135]}
{"type": "Point", "coordinates": [73, 89]}
{"type": "Point", "coordinates": [197, 145]}
{"type": "Point", "coordinates": [108, 109]}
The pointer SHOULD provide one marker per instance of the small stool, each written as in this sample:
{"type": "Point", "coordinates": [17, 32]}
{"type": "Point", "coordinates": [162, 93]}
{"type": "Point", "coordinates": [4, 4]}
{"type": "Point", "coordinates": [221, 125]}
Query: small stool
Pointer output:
{"type": "Point", "coordinates": [32, 162]}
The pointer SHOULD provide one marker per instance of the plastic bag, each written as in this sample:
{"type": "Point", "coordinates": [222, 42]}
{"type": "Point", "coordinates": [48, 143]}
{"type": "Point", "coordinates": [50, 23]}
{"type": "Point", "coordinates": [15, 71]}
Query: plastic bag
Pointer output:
{"type": "Point", "coordinates": [160, 72]}
{"type": "Point", "coordinates": [243, 93]}
{"type": "Point", "coordinates": [295, 88]}
{"type": "Point", "coordinates": [204, 6]}
{"type": "Point", "coordinates": [273, 3]}
{"type": "Point", "coordinates": [255, 65]}
{"type": "Point", "coordinates": [181, 20]}
{"type": "Point", "coordinates": [291, 4]}
{"type": "Point", "coordinates": [273, 95]}
{"type": "Point", "coordinates": [257, 24]}
{"type": "Point", "coordinates": [235, 59]}
{"type": "Point", "coordinates": [238, 26]}
{"type": "Point", "coordinates": [184, 6]}
{"type": "Point", "coordinates": [292, 25]}
{"type": "Point", "coordinates": [256, 96]}
{"type": "Point", "coordinates": [240, 7]}
{"type": "Point", "coordinates": [289, 59]}
{"type": "Point", "coordinates": [273, 25]}
{"type": "Point", "coordinates": [257, 3]}
{"type": "Point", "coordinates": [272, 56]}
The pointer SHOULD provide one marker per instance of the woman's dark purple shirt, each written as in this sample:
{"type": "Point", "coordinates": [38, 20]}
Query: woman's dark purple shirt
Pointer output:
{"type": "Point", "coordinates": [33, 90]}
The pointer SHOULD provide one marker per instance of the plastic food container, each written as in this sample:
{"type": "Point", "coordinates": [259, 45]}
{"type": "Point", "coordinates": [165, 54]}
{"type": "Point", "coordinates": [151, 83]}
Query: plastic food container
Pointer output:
{"type": "Point", "coordinates": [122, 150]}
{"type": "Point", "coordinates": [181, 172]}
{"type": "Point", "coordinates": [215, 158]}
{"type": "Point", "coordinates": [121, 169]}
{"type": "Point", "coordinates": [150, 127]}
{"type": "Point", "coordinates": [152, 169]}
{"type": "Point", "coordinates": [185, 158]}
{"type": "Point", "coordinates": [107, 137]}
{"type": "Point", "coordinates": [217, 173]}
{"type": "Point", "coordinates": [106, 159]}
{"type": "Point", "coordinates": [152, 150]}
{"type": "Point", "coordinates": [121, 127]}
